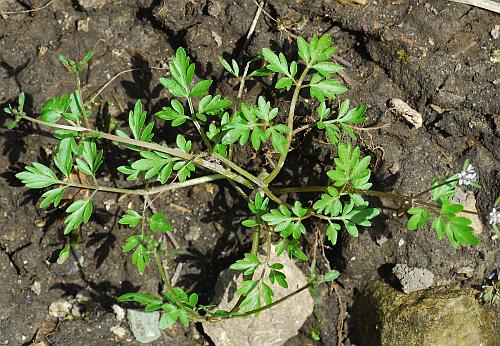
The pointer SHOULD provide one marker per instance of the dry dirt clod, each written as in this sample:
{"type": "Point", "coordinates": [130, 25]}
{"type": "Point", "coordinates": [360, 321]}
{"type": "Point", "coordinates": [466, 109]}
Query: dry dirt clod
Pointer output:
{"type": "Point", "coordinates": [395, 168]}
{"type": "Point", "coordinates": [381, 240]}
{"type": "Point", "coordinates": [217, 38]}
{"type": "Point", "coordinates": [44, 332]}
{"type": "Point", "coordinates": [413, 279]}
{"type": "Point", "coordinates": [408, 113]}
{"type": "Point", "coordinates": [443, 316]}
{"type": "Point", "coordinates": [214, 8]}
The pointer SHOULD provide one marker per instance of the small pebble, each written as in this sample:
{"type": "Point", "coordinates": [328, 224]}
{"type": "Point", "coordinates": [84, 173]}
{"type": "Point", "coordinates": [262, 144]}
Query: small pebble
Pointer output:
{"type": "Point", "coordinates": [77, 311]}
{"type": "Point", "coordinates": [83, 25]}
{"type": "Point", "coordinates": [217, 38]}
{"type": "Point", "coordinates": [36, 287]}
{"type": "Point", "coordinates": [118, 331]}
{"type": "Point", "coordinates": [395, 167]}
{"type": "Point", "coordinates": [40, 223]}
{"type": "Point", "coordinates": [60, 308]}
{"type": "Point", "coordinates": [42, 50]}
{"type": "Point", "coordinates": [381, 240]}
{"type": "Point", "coordinates": [119, 312]}
{"type": "Point", "coordinates": [495, 32]}
{"type": "Point", "coordinates": [401, 242]}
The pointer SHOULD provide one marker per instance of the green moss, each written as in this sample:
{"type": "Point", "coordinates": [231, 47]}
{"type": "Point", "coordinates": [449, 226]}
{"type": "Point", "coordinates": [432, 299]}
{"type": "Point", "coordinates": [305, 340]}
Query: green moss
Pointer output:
{"type": "Point", "coordinates": [437, 316]}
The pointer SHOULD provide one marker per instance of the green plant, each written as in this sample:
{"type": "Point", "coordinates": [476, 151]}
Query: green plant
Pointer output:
{"type": "Point", "coordinates": [223, 124]}
{"type": "Point", "coordinates": [491, 293]}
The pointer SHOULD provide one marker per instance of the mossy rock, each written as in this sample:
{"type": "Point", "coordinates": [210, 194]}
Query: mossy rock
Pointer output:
{"type": "Point", "coordinates": [441, 316]}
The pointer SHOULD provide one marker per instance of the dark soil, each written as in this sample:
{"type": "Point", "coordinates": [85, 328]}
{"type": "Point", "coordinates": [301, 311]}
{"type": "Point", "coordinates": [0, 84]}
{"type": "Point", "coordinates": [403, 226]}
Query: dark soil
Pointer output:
{"type": "Point", "coordinates": [427, 54]}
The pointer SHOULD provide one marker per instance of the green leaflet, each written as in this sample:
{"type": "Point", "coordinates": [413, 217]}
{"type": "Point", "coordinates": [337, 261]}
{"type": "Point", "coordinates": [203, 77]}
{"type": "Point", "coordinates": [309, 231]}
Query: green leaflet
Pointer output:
{"type": "Point", "coordinates": [37, 176]}
{"type": "Point", "coordinates": [79, 212]}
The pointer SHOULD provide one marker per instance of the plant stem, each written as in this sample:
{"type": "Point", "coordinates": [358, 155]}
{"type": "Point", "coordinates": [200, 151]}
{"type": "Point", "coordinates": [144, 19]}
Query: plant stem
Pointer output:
{"type": "Point", "coordinates": [299, 189]}
{"type": "Point", "coordinates": [79, 100]}
{"type": "Point", "coordinates": [259, 183]}
{"type": "Point", "coordinates": [168, 286]}
{"type": "Point", "coordinates": [255, 249]}
{"type": "Point", "coordinates": [255, 240]}
{"type": "Point", "coordinates": [308, 126]}
{"type": "Point", "coordinates": [435, 187]}
{"type": "Point", "coordinates": [198, 126]}
{"type": "Point", "coordinates": [263, 308]}
{"type": "Point", "coordinates": [274, 173]}
{"type": "Point", "coordinates": [239, 170]}
{"type": "Point", "coordinates": [198, 160]}
{"type": "Point", "coordinates": [144, 192]}
{"type": "Point", "coordinates": [374, 193]}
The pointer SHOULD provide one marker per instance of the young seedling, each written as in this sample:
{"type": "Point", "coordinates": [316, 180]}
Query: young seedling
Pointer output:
{"type": "Point", "coordinates": [221, 125]}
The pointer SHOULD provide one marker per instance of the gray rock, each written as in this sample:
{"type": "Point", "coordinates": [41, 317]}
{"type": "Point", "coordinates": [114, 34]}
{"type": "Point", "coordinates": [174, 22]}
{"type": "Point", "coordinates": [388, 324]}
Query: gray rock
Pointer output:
{"type": "Point", "coordinates": [413, 279]}
{"type": "Point", "coordinates": [144, 325]}
{"type": "Point", "coordinates": [272, 327]}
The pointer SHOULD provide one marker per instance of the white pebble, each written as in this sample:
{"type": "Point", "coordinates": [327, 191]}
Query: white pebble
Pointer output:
{"type": "Point", "coordinates": [119, 312]}
{"type": "Point", "coordinates": [36, 287]}
{"type": "Point", "coordinates": [118, 331]}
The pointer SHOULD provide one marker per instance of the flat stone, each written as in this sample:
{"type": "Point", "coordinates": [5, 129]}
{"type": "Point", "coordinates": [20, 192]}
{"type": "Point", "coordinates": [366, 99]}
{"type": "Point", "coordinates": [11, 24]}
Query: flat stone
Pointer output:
{"type": "Point", "coordinates": [272, 327]}
{"type": "Point", "coordinates": [413, 279]}
{"type": "Point", "coordinates": [144, 325]}
{"type": "Point", "coordinates": [444, 316]}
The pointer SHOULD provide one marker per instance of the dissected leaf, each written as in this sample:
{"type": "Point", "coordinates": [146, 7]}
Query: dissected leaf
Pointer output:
{"type": "Point", "coordinates": [37, 176]}
{"type": "Point", "coordinates": [79, 212]}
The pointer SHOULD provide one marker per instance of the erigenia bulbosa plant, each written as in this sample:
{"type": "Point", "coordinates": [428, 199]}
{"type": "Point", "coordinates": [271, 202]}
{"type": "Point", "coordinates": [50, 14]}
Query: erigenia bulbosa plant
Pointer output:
{"type": "Point", "coordinates": [222, 124]}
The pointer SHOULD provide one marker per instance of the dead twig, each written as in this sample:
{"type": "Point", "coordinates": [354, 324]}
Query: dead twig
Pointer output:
{"type": "Point", "coordinates": [484, 4]}
{"type": "Point", "coordinates": [340, 322]}
{"type": "Point", "coordinates": [242, 81]}
{"type": "Point", "coordinates": [98, 92]}
{"type": "Point", "coordinates": [341, 61]}
{"type": "Point", "coordinates": [2, 13]}
{"type": "Point", "coordinates": [252, 28]}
